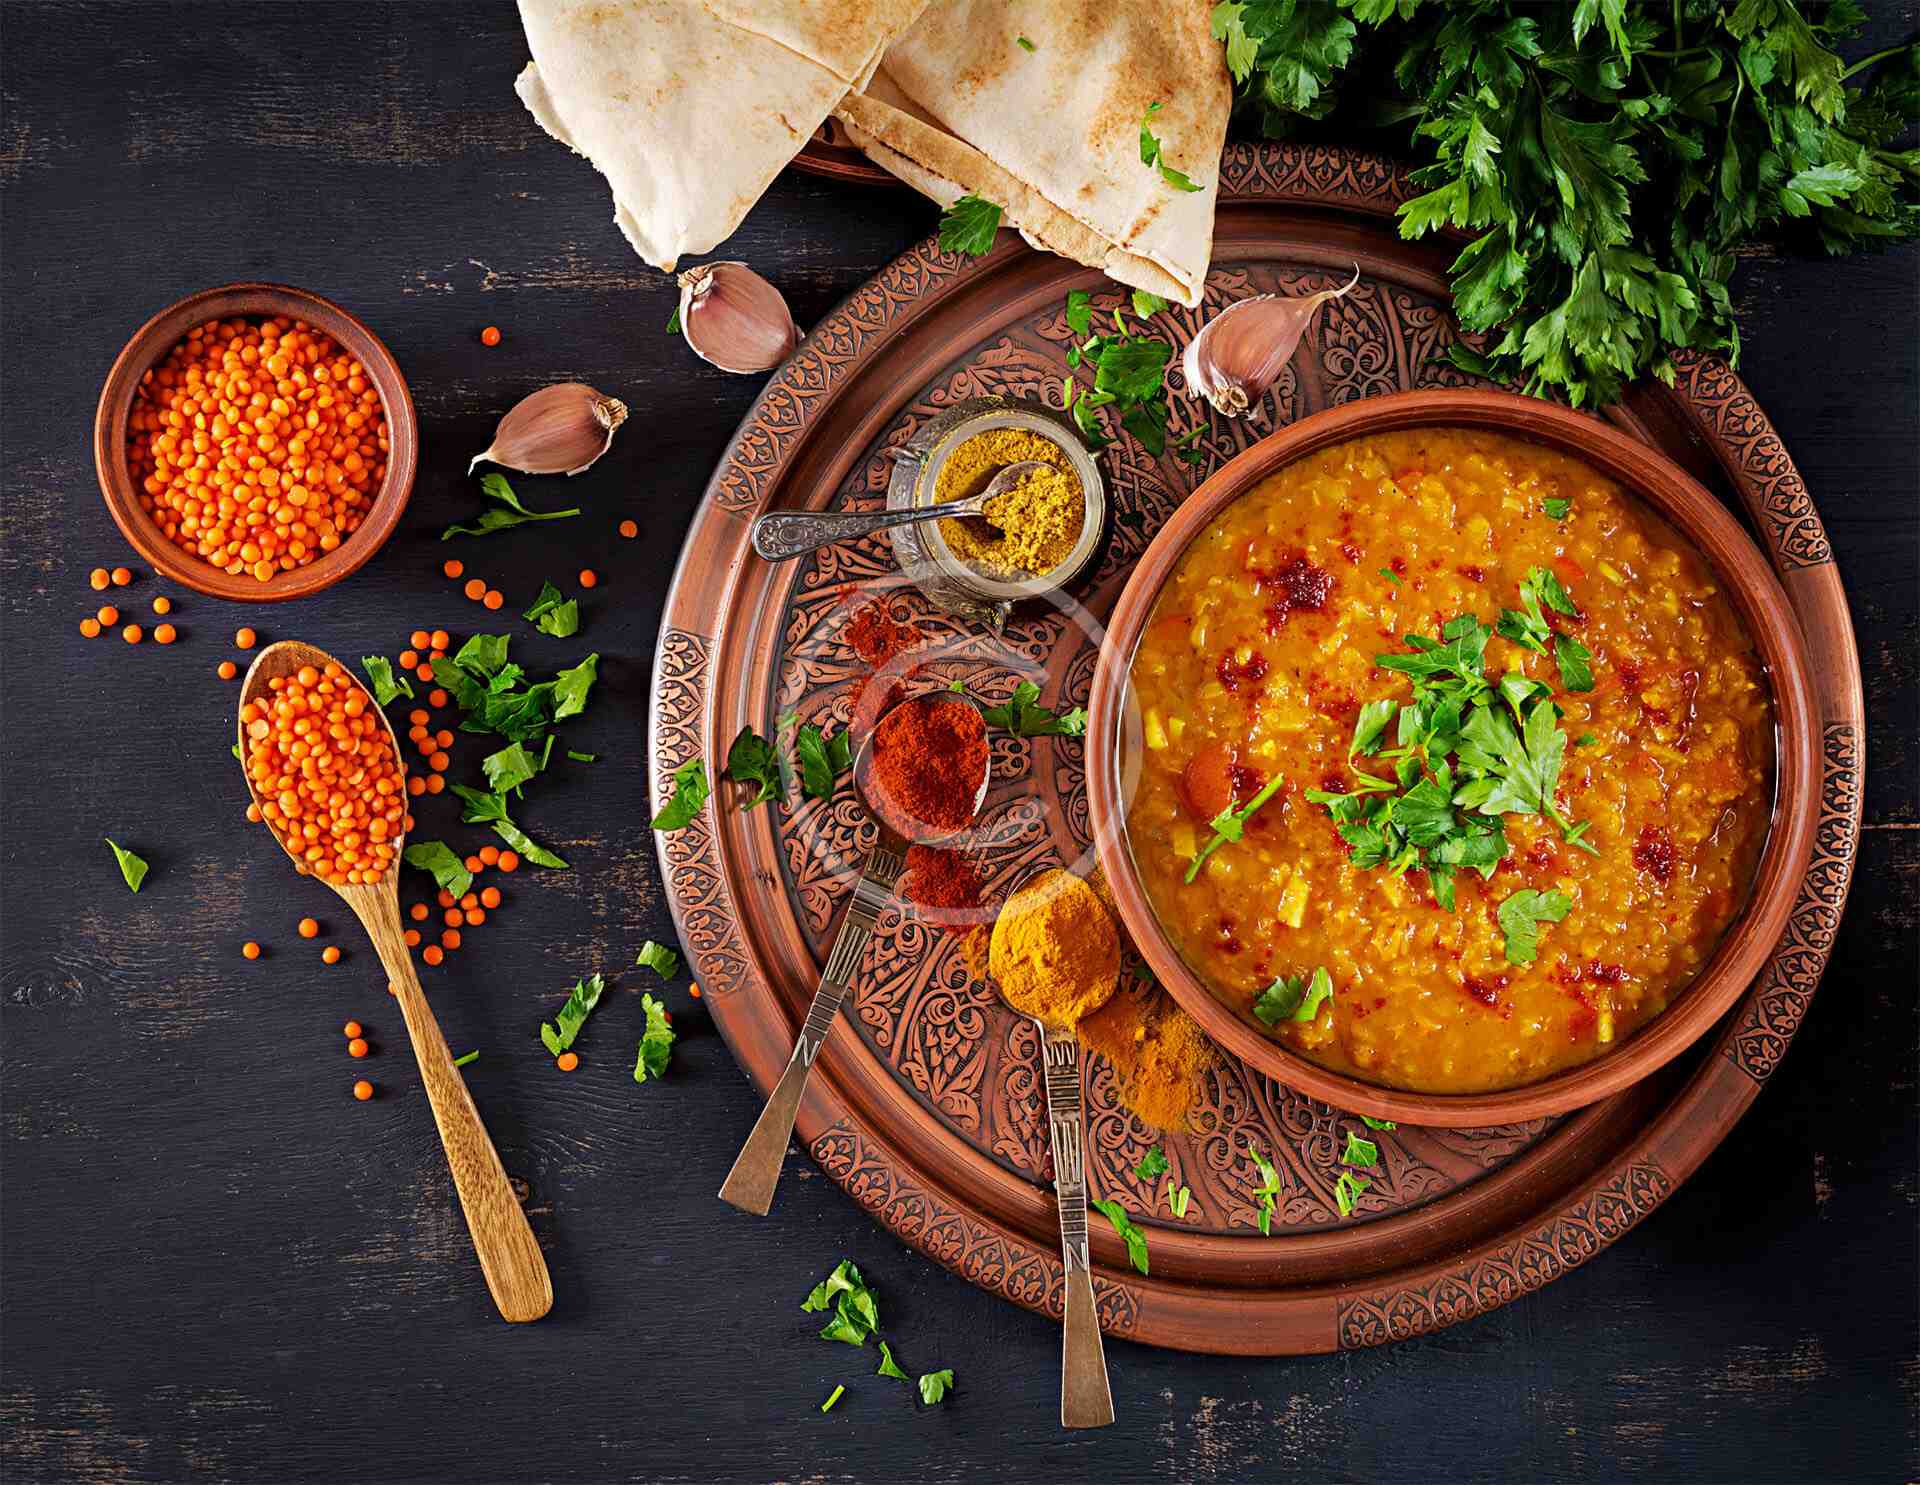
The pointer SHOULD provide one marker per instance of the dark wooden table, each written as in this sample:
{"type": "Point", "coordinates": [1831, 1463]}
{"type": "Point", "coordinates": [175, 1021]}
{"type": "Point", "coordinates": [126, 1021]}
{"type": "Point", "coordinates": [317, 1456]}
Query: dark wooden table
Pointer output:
{"type": "Point", "coordinates": [217, 1265]}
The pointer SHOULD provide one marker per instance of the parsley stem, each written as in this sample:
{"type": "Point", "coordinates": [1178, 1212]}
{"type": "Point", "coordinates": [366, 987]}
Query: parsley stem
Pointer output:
{"type": "Point", "coordinates": [1866, 62]}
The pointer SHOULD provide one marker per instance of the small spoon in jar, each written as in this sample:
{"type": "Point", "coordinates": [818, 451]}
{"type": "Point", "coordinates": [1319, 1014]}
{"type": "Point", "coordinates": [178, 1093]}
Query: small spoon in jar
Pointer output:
{"type": "Point", "coordinates": [510, 1258]}
{"type": "Point", "coordinates": [756, 1171]}
{"type": "Point", "coordinates": [1086, 1399]}
{"type": "Point", "coordinates": [779, 535]}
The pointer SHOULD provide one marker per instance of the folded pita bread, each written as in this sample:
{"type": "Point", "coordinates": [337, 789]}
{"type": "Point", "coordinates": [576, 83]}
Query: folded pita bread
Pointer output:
{"type": "Point", "coordinates": [690, 109]}
{"type": "Point", "coordinates": [1052, 136]}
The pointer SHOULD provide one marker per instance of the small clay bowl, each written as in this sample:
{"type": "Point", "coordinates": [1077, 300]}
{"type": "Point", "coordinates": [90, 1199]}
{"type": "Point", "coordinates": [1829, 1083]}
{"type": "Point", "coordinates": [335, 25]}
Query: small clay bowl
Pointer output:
{"type": "Point", "coordinates": [1764, 610]}
{"type": "Point", "coordinates": [149, 346]}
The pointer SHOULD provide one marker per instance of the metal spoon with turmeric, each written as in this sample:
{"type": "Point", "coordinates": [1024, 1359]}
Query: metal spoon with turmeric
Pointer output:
{"type": "Point", "coordinates": [1055, 958]}
{"type": "Point", "coordinates": [779, 535]}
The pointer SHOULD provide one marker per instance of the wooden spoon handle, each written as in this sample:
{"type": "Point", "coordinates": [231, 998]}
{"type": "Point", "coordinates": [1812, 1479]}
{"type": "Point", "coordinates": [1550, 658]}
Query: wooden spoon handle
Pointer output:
{"type": "Point", "coordinates": [510, 1258]}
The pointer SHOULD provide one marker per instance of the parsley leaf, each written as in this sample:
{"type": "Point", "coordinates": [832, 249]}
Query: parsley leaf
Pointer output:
{"type": "Point", "coordinates": [856, 1310]}
{"type": "Point", "coordinates": [553, 614]}
{"type": "Point", "coordinates": [506, 510]}
{"type": "Point", "coordinates": [386, 686]}
{"type": "Point", "coordinates": [1133, 1237]}
{"type": "Point", "coordinates": [1024, 44]}
{"type": "Point", "coordinates": [469, 1057]}
{"type": "Point", "coordinates": [1023, 716]}
{"type": "Point", "coordinates": [558, 1034]}
{"type": "Point", "coordinates": [444, 864]}
{"type": "Point", "coordinates": [834, 1396]}
{"type": "Point", "coordinates": [1373, 1123]}
{"type": "Point", "coordinates": [1150, 153]}
{"type": "Point", "coordinates": [133, 869]}
{"type": "Point", "coordinates": [968, 226]}
{"type": "Point", "coordinates": [1370, 727]}
{"type": "Point", "coordinates": [1230, 824]}
{"type": "Point", "coordinates": [1177, 1199]}
{"type": "Point", "coordinates": [1557, 509]}
{"type": "Point", "coordinates": [1145, 303]}
{"type": "Point", "coordinates": [1347, 1190]}
{"type": "Point", "coordinates": [822, 759]}
{"type": "Point", "coordinates": [1265, 1190]}
{"type": "Point", "coordinates": [1152, 1166]}
{"type": "Point", "coordinates": [1521, 915]}
{"type": "Point", "coordinates": [1295, 998]}
{"type": "Point", "coordinates": [512, 766]}
{"type": "Point", "coordinates": [656, 1042]}
{"type": "Point", "coordinates": [491, 809]}
{"type": "Point", "coordinates": [1575, 662]}
{"type": "Point", "coordinates": [662, 960]}
{"type": "Point", "coordinates": [752, 760]}
{"type": "Point", "coordinates": [690, 790]}
{"type": "Point", "coordinates": [888, 1366]}
{"type": "Point", "coordinates": [934, 1385]}
{"type": "Point", "coordinates": [1360, 1151]}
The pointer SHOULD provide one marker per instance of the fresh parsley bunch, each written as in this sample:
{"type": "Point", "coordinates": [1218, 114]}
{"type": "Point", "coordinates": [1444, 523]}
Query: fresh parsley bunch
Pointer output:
{"type": "Point", "coordinates": [1610, 155]}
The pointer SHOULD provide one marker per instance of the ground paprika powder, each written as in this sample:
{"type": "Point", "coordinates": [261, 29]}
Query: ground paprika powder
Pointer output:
{"type": "Point", "coordinates": [926, 763]}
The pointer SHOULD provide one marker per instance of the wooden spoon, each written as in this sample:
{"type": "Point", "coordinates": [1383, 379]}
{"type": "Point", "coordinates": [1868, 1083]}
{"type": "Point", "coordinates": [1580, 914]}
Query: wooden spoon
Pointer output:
{"type": "Point", "coordinates": [515, 1271]}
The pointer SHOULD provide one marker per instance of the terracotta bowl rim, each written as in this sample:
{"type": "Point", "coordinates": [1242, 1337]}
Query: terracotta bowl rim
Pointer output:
{"type": "Point", "coordinates": [1763, 607]}
{"type": "Point", "coordinates": [147, 345]}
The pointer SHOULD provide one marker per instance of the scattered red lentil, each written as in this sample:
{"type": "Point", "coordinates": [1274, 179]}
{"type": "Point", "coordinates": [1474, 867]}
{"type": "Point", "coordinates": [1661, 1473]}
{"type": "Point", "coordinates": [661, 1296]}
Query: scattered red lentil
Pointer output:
{"type": "Point", "coordinates": [475, 589]}
{"type": "Point", "coordinates": [363, 1090]}
{"type": "Point", "coordinates": [588, 577]}
{"type": "Point", "coordinates": [567, 1061]}
{"type": "Point", "coordinates": [309, 928]}
{"type": "Point", "coordinates": [433, 953]}
{"type": "Point", "coordinates": [165, 634]}
{"type": "Point", "coordinates": [245, 639]}
{"type": "Point", "coordinates": [358, 1047]}
{"type": "Point", "coordinates": [351, 1029]}
{"type": "Point", "coordinates": [249, 950]}
{"type": "Point", "coordinates": [489, 897]}
{"type": "Point", "coordinates": [90, 627]}
{"type": "Point", "coordinates": [330, 954]}
{"type": "Point", "coordinates": [509, 861]}
{"type": "Point", "coordinates": [494, 598]}
{"type": "Point", "coordinates": [122, 576]}
{"type": "Point", "coordinates": [450, 938]}
{"type": "Point", "coordinates": [226, 670]}
{"type": "Point", "coordinates": [162, 604]}
{"type": "Point", "coordinates": [132, 634]}
{"type": "Point", "coordinates": [412, 937]}
{"type": "Point", "coordinates": [108, 615]}
{"type": "Point", "coordinates": [98, 578]}
{"type": "Point", "coordinates": [418, 912]}
{"type": "Point", "coordinates": [629, 529]}
{"type": "Point", "coordinates": [490, 335]}
{"type": "Point", "coordinates": [418, 639]}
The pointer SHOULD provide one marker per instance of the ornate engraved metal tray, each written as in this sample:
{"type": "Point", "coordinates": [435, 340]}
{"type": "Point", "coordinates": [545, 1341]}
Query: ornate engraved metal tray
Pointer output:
{"type": "Point", "coordinates": [927, 1105]}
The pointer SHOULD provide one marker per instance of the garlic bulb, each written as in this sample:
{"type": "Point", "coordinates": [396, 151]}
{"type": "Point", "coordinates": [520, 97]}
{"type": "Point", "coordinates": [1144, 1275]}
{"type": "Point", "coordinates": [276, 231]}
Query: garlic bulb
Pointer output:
{"type": "Point", "coordinates": [560, 429]}
{"type": "Point", "coordinates": [1241, 351]}
{"type": "Point", "coordinates": [735, 319]}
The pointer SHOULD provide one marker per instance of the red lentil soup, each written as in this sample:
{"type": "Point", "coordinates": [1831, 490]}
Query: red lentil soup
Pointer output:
{"type": "Point", "coordinates": [1255, 666]}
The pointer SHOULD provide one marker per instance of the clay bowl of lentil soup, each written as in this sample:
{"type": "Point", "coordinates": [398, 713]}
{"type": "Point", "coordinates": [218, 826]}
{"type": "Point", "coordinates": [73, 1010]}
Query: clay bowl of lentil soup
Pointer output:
{"type": "Point", "coordinates": [1454, 758]}
{"type": "Point", "coordinates": [255, 442]}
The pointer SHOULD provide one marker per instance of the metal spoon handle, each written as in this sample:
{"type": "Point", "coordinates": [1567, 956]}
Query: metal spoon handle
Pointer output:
{"type": "Point", "coordinates": [1086, 1401]}
{"type": "Point", "coordinates": [749, 1185]}
{"type": "Point", "coordinates": [779, 535]}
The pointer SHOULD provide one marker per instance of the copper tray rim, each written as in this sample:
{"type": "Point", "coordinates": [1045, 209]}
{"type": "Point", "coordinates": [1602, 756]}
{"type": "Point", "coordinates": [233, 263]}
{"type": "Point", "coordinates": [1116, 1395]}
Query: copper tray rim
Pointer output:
{"type": "Point", "coordinates": [1709, 409]}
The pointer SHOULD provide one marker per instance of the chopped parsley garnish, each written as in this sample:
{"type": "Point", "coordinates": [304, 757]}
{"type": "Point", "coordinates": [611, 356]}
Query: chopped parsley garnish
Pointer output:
{"type": "Point", "coordinates": [583, 757]}
{"type": "Point", "coordinates": [133, 870]}
{"type": "Point", "coordinates": [662, 960]}
{"type": "Point", "coordinates": [1184, 446]}
{"type": "Point", "coordinates": [1373, 1123]}
{"type": "Point", "coordinates": [1390, 575]}
{"type": "Point", "coordinates": [1521, 915]}
{"type": "Point", "coordinates": [1129, 376]}
{"type": "Point", "coordinates": [968, 226]}
{"type": "Point", "coordinates": [443, 863]}
{"type": "Point", "coordinates": [934, 1385]}
{"type": "Point", "coordinates": [822, 759]}
{"type": "Point", "coordinates": [553, 614]}
{"type": "Point", "coordinates": [1360, 1151]}
{"type": "Point", "coordinates": [1177, 1199]}
{"type": "Point", "coordinates": [513, 765]}
{"type": "Point", "coordinates": [834, 1397]}
{"type": "Point", "coordinates": [752, 761]}
{"type": "Point", "coordinates": [1294, 998]}
{"type": "Point", "coordinates": [494, 696]}
{"type": "Point", "coordinates": [1024, 44]}
{"type": "Point", "coordinates": [1153, 1165]}
{"type": "Point", "coordinates": [1346, 1191]}
{"type": "Point", "coordinates": [1022, 715]}
{"type": "Point", "coordinates": [888, 1366]}
{"type": "Point", "coordinates": [560, 1032]}
{"type": "Point", "coordinates": [656, 1042]}
{"type": "Point", "coordinates": [506, 510]}
{"type": "Point", "coordinates": [673, 321]}
{"type": "Point", "coordinates": [491, 809]}
{"type": "Point", "coordinates": [1265, 1190]}
{"type": "Point", "coordinates": [856, 1311]}
{"type": "Point", "coordinates": [1230, 824]}
{"type": "Point", "coordinates": [690, 790]}
{"type": "Point", "coordinates": [386, 686]}
{"type": "Point", "coordinates": [1151, 154]}
{"type": "Point", "coordinates": [463, 1061]}
{"type": "Point", "coordinates": [1147, 303]}
{"type": "Point", "coordinates": [1557, 509]}
{"type": "Point", "coordinates": [1133, 1237]}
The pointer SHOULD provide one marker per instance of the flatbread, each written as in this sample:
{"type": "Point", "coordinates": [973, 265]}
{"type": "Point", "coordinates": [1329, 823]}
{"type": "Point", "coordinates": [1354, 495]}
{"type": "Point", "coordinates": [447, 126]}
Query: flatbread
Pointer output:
{"type": "Point", "coordinates": [690, 109]}
{"type": "Point", "coordinates": [1052, 136]}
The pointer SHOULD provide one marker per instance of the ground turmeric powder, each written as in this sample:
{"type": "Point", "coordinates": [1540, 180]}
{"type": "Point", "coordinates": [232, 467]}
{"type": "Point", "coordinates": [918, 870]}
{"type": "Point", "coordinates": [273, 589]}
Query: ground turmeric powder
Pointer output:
{"type": "Point", "coordinates": [1055, 952]}
{"type": "Point", "coordinates": [1029, 529]}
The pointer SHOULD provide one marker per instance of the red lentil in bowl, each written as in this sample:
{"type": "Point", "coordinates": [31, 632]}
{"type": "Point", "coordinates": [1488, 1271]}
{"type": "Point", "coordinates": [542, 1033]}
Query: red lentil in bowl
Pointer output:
{"type": "Point", "coordinates": [1383, 896]}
